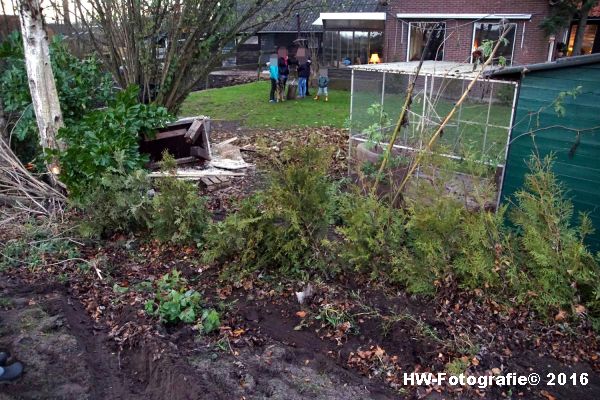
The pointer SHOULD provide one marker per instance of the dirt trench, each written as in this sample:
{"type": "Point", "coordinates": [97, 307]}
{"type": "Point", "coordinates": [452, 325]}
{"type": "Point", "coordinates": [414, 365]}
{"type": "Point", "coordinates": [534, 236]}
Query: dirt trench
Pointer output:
{"type": "Point", "coordinates": [68, 356]}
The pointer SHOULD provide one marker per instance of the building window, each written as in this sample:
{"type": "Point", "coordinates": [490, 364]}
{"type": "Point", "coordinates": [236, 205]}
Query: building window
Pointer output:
{"type": "Point", "coordinates": [418, 35]}
{"type": "Point", "coordinates": [492, 31]}
{"type": "Point", "coordinates": [345, 48]}
{"type": "Point", "coordinates": [589, 38]}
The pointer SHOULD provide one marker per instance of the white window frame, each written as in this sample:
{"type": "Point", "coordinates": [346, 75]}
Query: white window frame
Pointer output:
{"type": "Point", "coordinates": [423, 22]}
{"type": "Point", "coordinates": [516, 26]}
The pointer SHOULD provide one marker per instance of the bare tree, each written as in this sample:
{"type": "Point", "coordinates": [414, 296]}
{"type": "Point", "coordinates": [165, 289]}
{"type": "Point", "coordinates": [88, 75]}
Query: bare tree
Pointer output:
{"type": "Point", "coordinates": [41, 78]}
{"type": "Point", "coordinates": [168, 47]}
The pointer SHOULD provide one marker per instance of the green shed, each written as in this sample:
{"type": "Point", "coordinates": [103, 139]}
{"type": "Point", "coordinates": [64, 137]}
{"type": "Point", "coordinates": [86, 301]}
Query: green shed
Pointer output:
{"type": "Point", "coordinates": [558, 111]}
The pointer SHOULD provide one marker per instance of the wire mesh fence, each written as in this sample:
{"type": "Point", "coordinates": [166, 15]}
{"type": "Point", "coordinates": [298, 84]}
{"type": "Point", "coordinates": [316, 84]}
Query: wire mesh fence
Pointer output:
{"type": "Point", "coordinates": [479, 130]}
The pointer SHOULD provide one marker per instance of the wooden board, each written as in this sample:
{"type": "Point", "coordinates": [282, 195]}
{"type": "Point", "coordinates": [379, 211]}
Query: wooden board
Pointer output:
{"type": "Point", "coordinates": [195, 130]}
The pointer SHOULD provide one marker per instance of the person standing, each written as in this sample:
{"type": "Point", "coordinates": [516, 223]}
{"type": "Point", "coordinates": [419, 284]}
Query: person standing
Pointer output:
{"type": "Point", "coordinates": [323, 84]}
{"type": "Point", "coordinates": [274, 75]}
{"type": "Point", "coordinates": [284, 72]}
{"type": "Point", "coordinates": [303, 75]}
{"type": "Point", "coordinates": [309, 64]}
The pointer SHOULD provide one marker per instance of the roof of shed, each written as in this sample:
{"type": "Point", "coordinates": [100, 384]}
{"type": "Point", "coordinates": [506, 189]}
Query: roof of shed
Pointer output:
{"type": "Point", "coordinates": [560, 63]}
{"type": "Point", "coordinates": [435, 68]}
{"type": "Point", "coordinates": [310, 11]}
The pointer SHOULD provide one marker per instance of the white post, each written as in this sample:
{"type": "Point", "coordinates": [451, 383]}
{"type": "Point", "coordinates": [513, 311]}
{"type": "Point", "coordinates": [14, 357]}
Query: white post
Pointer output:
{"type": "Point", "coordinates": [513, 113]}
{"type": "Point", "coordinates": [487, 121]}
{"type": "Point", "coordinates": [381, 128]}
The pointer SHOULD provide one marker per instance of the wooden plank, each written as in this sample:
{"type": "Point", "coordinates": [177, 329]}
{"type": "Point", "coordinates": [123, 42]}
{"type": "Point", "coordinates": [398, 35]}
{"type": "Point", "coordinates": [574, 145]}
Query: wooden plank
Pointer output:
{"type": "Point", "coordinates": [231, 140]}
{"type": "Point", "coordinates": [167, 134]}
{"type": "Point", "coordinates": [178, 161]}
{"type": "Point", "coordinates": [195, 130]}
{"type": "Point", "coordinates": [200, 152]}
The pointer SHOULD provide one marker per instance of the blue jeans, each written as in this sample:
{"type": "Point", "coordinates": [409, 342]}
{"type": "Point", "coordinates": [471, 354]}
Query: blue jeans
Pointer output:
{"type": "Point", "coordinates": [301, 87]}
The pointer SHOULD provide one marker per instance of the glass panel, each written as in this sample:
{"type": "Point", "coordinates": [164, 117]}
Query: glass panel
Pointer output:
{"type": "Point", "coordinates": [487, 31]}
{"type": "Point", "coordinates": [330, 48]}
{"type": "Point", "coordinates": [361, 48]}
{"type": "Point", "coordinates": [346, 48]}
{"type": "Point", "coordinates": [376, 45]}
{"type": "Point", "coordinates": [419, 35]}
{"type": "Point", "coordinates": [588, 39]}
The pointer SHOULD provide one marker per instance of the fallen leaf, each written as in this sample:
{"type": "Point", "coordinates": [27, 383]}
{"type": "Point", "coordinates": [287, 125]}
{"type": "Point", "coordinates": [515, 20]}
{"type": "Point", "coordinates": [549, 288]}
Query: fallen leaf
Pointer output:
{"type": "Point", "coordinates": [301, 314]}
{"type": "Point", "coordinates": [547, 395]}
{"type": "Point", "coordinates": [580, 309]}
{"type": "Point", "coordinates": [560, 316]}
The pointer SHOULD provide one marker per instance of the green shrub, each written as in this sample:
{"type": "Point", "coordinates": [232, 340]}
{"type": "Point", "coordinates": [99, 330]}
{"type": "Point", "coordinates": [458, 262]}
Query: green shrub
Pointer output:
{"type": "Point", "coordinates": [551, 251]}
{"type": "Point", "coordinates": [81, 85]}
{"type": "Point", "coordinates": [372, 234]}
{"type": "Point", "coordinates": [34, 245]}
{"type": "Point", "coordinates": [106, 140]}
{"type": "Point", "coordinates": [179, 214]}
{"type": "Point", "coordinates": [174, 302]}
{"type": "Point", "coordinates": [283, 228]}
{"type": "Point", "coordinates": [484, 253]}
{"type": "Point", "coordinates": [120, 203]}
{"type": "Point", "coordinates": [433, 237]}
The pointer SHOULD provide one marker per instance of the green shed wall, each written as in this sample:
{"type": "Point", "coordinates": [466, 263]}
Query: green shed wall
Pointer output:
{"type": "Point", "coordinates": [580, 174]}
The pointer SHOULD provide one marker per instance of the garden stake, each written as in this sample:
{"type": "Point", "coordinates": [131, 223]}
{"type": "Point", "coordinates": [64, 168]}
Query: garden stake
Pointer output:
{"type": "Point", "coordinates": [407, 101]}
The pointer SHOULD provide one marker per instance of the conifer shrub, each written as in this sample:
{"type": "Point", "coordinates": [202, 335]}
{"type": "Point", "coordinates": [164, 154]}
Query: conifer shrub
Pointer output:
{"type": "Point", "coordinates": [127, 203]}
{"type": "Point", "coordinates": [179, 214]}
{"type": "Point", "coordinates": [282, 229]}
{"type": "Point", "coordinates": [120, 203]}
{"type": "Point", "coordinates": [372, 234]}
{"type": "Point", "coordinates": [558, 268]}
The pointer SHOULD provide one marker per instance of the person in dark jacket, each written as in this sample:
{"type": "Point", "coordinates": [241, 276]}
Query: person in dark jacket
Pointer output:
{"type": "Point", "coordinates": [309, 63]}
{"type": "Point", "coordinates": [303, 75]}
{"type": "Point", "coordinates": [284, 72]}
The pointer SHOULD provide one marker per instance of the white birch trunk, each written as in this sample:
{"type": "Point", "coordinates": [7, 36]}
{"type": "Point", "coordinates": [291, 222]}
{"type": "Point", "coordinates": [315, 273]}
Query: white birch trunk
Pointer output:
{"type": "Point", "coordinates": [39, 72]}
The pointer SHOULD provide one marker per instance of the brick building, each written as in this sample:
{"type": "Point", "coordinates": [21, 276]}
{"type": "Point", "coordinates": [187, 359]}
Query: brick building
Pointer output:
{"type": "Point", "coordinates": [460, 26]}
{"type": "Point", "coordinates": [399, 30]}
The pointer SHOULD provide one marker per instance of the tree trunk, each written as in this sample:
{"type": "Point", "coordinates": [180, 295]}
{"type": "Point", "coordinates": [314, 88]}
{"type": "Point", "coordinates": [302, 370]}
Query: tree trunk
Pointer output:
{"type": "Point", "coordinates": [41, 78]}
{"type": "Point", "coordinates": [66, 14]}
{"type": "Point", "coordinates": [585, 12]}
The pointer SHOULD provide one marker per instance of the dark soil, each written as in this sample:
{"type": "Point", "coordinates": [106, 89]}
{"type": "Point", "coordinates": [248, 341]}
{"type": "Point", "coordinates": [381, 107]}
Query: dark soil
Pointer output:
{"type": "Point", "coordinates": [80, 338]}
{"type": "Point", "coordinates": [67, 355]}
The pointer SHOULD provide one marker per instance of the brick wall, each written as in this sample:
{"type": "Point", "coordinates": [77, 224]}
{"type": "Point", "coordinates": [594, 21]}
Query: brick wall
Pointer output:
{"type": "Point", "coordinates": [531, 45]}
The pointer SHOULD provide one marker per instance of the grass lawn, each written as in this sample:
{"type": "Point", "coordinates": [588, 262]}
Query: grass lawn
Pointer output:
{"type": "Point", "coordinates": [249, 103]}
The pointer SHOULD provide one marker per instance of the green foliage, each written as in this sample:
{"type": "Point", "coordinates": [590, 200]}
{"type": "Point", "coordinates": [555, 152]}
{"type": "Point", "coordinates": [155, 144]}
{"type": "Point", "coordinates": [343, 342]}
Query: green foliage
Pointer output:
{"type": "Point", "coordinates": [372, 234]}
{"type": "Point", "coordinates": [34, 246]}
{"type": "Point", "coordinates": [120, 202]}
{"type": "Point", "coordinates": [81, 86]}
{"type": "Point", "coordinates": [376, 132]}
{"type": "Point", "coordinates": [107, 140]}
{"type": "Point", "coordinates": [179, 213]}
{"type": "Point", "coordinates": [337, 318]}
{"type": "Point", "coordinates": [559, 102]}
{"type": "Point", "coordinates": [554, 259]}
{"type": "Point", "coordinates": [283, 228]}
{"type": "Point", "coordinates": [483, 251]}
{"type": "Point", "coordinates": [433, 240]}
{"type": "Point", "coordinates": [173, 302]}
{"type": "Point", "coordinates": [210, 321]}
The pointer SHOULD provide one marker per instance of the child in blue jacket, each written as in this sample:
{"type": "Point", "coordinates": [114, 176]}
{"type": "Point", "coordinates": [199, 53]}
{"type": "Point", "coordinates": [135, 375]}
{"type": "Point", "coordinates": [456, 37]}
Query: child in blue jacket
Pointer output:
{"type": "Point", "coordinates": [323, 83]}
